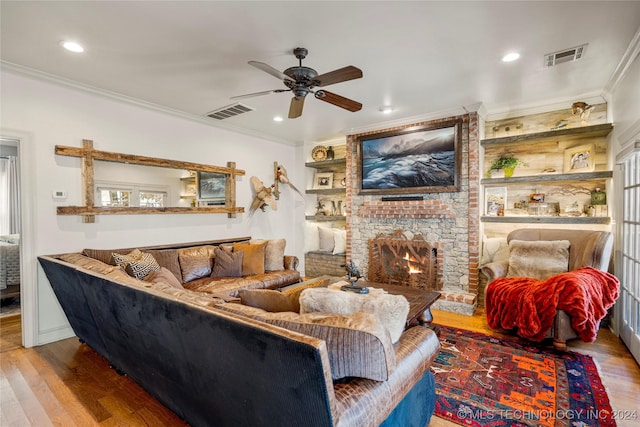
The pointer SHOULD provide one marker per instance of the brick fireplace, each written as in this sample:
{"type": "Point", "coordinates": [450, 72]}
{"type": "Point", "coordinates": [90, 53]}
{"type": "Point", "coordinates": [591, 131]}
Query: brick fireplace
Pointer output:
{"type": "Point", "coordinates": [445, 226]}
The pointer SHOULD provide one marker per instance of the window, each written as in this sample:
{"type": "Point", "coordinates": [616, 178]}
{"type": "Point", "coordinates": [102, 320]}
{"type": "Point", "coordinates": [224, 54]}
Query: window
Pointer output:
{"type": "Point", "coordinates": [131, 195]}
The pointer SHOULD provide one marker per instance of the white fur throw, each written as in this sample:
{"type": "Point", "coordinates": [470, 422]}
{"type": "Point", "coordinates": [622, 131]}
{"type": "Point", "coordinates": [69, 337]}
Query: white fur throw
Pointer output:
{"type": "Point", "coordinates": [391, 310]}
{"type": "Point", "coordinates": [539, 259]}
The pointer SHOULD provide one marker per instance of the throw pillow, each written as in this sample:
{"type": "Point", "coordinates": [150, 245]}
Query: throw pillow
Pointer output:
{"type": "Point", "coordinates": [269, 300]}
{"type": "Point", "coordinates": [340, 240]}
{"type": "Point", "coordinates": [494, 249]}
{"type": "Point", "coordinates": [326, 239]}
{"type": "Point", "coordinates": [122, 259]}
{"type": "Point", "coordinates": [253, 258]}
{"type": "Point", "coordinates": [273, 253]}
{"type": "Point", "coordinates": [311, 238]}
{"type": "Point", "coordinates": [136, 263]}
{"type": "Point", "coordinates": [227, 264]}
{"type": "Point", "coordinates": [195, 262]}
{"type": "Point", "coordinates": [141, 267]}
{"type": "Point", "coordinates": [538, 259]}
{"type": "Point", "coordinates": [163, 276]}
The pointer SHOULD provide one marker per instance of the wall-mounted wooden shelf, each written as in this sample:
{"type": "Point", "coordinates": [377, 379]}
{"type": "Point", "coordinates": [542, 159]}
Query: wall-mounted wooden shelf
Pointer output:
{"type": "Point", "coordinates": [561, 177]}
{"type": "Point", "coordinates": [552, 135]}
{"type": "Point", "coordinates": [325, 218]}
{"type": "Point", "coordinates": [547, 219]}
{"type": "Point", "coordinates": [326, 191]}
{"type": "Point", "coordinates": [330, 165]}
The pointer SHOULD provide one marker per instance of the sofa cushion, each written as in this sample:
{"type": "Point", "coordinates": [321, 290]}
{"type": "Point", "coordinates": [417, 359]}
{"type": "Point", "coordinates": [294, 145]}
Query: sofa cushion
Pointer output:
{"type": "Point", "coordinates": [269, 300]}
{"type": "Point", "coordinates": [227, 264]}
{"type": "Point", "coordinates": [195, 262]}
{"type": "Point", "coordinates": [253, 258]}
{"type": "Point", "coordinates": [168, 258]}
{"type": "Point", "coordinates": [340, 241]}
{"type": "Point", "coordinates": [224, 285]}
{"type": "Point", "coordinates": [87, 262]}
{"type": "Point", "coordinates": [273, 253]}
{"type": "Point", "coordinates": [538, 259]}
{"type": "Point", "coordinates": [136, 263]}
{"type": "Point", "coordinates": [358, 344]}
{"type": "Point", "coordinates": [164, 276]}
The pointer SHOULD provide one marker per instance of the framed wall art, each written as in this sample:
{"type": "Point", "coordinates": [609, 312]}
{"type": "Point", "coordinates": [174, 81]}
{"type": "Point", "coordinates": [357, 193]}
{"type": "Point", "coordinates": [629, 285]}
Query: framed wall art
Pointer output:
{"type": "Point", "coordinates": [412, 160]}
{"type": "Point", "coordinates": [495, 199]}
{"type": "Point", "coordinates": [323, 180]}
{"type": "Point", "coordinates": [579, 159]}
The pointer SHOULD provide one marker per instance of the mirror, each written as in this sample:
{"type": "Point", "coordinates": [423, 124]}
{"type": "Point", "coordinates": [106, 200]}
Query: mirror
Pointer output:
{"type": "Point", "coordinates": [125, 184]}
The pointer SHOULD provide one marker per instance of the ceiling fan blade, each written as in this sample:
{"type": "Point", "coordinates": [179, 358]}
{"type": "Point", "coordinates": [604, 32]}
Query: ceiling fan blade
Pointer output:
{"type": "Point", "coordinates": [336, 76]}
{"type": "Point", "coordinates": [337, 100]}
{"type": "Point", "coordinates": [295, 110]}
{"type": "Point", "coordinates": [266, 92]}
{"type": "Point", "coordinates": [269, 69]}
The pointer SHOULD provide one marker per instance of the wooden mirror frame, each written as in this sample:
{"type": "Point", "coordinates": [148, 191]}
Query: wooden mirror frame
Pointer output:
{"type": "Point", "coordinates": [88, 211]}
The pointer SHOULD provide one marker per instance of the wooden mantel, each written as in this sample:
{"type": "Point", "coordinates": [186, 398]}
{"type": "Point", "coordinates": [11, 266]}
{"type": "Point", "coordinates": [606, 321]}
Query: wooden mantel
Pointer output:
{"type": "Point", "coordinates": [88, 211]}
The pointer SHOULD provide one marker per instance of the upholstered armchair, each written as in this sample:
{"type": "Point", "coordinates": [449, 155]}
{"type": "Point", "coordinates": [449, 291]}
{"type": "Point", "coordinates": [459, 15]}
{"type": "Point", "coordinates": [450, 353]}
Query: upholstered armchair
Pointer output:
{"type": "Point", "coordinates": [586, 248]}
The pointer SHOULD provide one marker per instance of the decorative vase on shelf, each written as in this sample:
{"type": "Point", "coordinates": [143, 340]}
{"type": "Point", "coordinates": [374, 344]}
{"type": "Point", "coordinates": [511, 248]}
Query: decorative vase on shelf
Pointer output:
{"type": "Point", "coordinates": [508, 172]}
{"type": "Point", "coordinates": [330, 153]}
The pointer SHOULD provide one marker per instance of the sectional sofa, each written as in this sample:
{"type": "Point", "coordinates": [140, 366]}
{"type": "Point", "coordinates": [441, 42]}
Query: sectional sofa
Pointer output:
{"type": "Point", "coordinates": [213, 365]}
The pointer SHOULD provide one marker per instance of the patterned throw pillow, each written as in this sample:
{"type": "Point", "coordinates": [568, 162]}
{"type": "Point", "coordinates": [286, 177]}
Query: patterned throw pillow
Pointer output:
{"type": "Point", "coordinates": [136, 263]}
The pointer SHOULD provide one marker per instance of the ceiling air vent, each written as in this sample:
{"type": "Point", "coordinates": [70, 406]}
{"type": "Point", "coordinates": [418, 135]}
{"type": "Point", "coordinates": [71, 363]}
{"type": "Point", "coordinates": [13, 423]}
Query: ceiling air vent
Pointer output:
{"type": "Point", "coordinates": [566, 55]}
{"type": "Point", "coordinates": [229, 111]}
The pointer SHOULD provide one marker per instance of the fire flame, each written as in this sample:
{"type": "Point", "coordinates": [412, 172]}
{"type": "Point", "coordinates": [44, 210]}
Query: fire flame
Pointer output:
{"type": "Point", "coordinates": [412, 269]}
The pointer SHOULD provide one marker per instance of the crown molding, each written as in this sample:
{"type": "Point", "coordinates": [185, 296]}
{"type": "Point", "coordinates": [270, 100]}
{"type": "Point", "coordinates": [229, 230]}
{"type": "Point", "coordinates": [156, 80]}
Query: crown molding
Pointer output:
{"type": "Point", "coordinates": [72, 84]}
{"type": "Point", "coordinates": [623, 66]}
{"type": "Point", "coordinates": [455, 111]}
{"type": "Point", "coordinates": [530, 109]}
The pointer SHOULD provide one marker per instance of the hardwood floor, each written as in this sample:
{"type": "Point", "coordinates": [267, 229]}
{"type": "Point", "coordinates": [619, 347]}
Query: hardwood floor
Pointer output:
{"type": "Point", "coordinates": [66, 383]}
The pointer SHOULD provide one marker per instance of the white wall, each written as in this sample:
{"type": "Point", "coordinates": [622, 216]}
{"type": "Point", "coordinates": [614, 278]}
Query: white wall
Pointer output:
{"type": "Point", "coordinates": [44, 114]}
{"type": "Point", "coordinates": [625, 109]}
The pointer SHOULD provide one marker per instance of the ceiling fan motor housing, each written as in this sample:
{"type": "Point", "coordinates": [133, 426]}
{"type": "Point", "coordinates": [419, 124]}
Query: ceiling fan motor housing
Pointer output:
{"type": "Point", "coordinates": [303, 77]}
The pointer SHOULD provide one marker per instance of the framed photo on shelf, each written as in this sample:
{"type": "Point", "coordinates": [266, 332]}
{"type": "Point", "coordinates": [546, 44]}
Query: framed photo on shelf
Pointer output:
{"type": "Point", "coordinates": [412, 160]}
{"type": "Point", "coordinates": [323, 180]}
{"type": "Point", "coordinates": [579, 159]}
{"type": "Point", "coordinates": [496, 200]}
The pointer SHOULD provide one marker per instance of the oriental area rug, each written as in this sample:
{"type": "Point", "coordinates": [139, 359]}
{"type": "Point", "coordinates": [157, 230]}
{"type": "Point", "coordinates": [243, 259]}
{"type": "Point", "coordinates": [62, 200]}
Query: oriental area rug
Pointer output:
{"type": "Point", "coordinates": [487, 381]}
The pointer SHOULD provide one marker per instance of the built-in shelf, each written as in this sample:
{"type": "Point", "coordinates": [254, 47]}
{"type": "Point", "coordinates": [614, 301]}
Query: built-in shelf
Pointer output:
{"type": "Point", "coordinates": [552, 135]}
{"type": "Point", "coordinates": [326, 191]}
{"type": "Point", "coordinates": [325, 217]}
{"type": "Point", "coordinates": [547, 219]}
{"type": "Point", "coordinates": [585, 176]}
{"type": "Point", "coordinates": [332, 165]}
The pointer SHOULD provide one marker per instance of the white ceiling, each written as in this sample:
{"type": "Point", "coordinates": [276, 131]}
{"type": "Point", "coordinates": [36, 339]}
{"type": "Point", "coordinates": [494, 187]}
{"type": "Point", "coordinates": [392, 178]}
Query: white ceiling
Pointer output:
{"type": "Point", "coordinates": [421, 57]}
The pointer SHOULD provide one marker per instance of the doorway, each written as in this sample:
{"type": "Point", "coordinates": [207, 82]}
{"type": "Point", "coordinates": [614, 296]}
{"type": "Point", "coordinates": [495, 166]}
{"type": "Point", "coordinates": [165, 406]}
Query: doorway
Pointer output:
{"type": "Point", "coordinates": [10, 230]}
{"type": "Point", "coordinates": [628, 306]}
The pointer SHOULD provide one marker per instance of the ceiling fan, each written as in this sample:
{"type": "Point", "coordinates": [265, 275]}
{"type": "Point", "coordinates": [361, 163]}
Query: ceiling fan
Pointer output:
{"type": "Point", "coordinates": [301, 80]}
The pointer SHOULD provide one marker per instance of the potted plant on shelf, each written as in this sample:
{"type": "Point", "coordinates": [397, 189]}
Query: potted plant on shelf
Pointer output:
{"type": "Point", "coordinates": [507, 163]}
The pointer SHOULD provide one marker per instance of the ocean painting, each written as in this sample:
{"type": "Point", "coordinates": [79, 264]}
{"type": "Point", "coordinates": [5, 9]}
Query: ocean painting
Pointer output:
{"type": "Point", "coordinates": [409, 161]}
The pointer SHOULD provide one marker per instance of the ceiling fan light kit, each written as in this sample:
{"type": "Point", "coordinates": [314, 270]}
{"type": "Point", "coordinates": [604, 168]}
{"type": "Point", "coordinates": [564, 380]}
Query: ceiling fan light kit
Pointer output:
{"type": "Point", "coordinates": [302, 80]}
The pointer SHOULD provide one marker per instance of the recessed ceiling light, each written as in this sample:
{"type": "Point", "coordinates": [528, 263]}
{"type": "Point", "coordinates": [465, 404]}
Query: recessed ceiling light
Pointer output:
{"type": "Point", "coordinates": [386, 109]}
{"type": "Point", "coordinates": [510, 57]}
{"type": "Point", "coordinates": [72, 46]}
{"type": "Point", "coordinates": [277, 119]}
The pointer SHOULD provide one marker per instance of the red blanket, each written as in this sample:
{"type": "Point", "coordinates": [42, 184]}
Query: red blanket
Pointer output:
{"type": "Point", "coordinates": [530, 304]}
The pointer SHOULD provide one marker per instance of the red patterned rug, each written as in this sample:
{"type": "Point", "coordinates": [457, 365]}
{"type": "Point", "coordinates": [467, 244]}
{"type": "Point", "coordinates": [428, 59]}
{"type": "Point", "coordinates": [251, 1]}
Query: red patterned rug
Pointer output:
{"type": "Point", "coordinates": [487, 381]}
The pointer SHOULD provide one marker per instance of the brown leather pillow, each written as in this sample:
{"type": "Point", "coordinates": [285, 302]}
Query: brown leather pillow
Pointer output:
{"type": "Point", "coordinates": [195, 262]}
{"type": "Point", "coordinates": [227, 264]}
{"type": "Point", "coordinates": [269, 300]}
{"type": "Point", "coordinates": [163, 276]}
{"type": "Point", "coordinates": [253, 258]}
